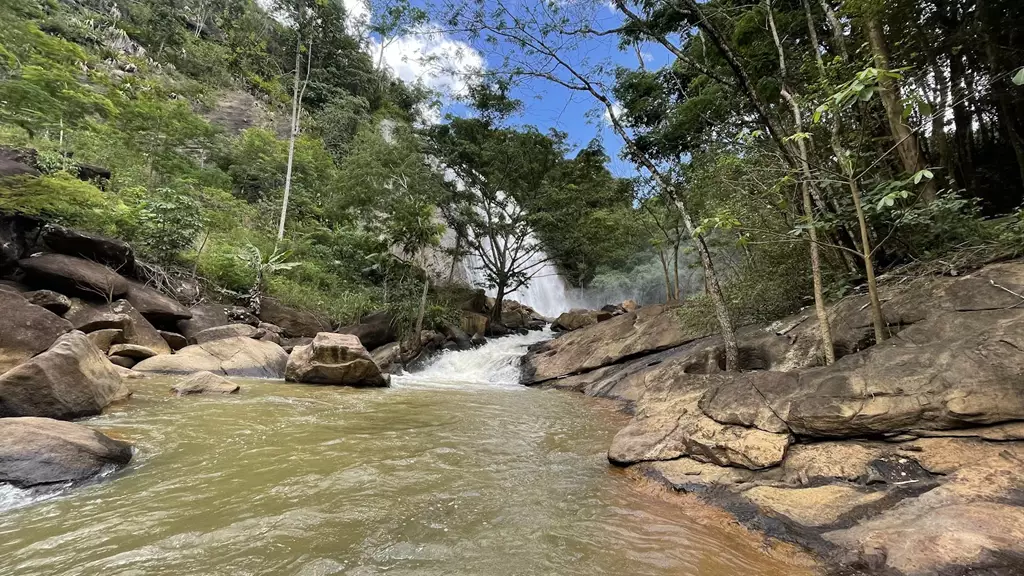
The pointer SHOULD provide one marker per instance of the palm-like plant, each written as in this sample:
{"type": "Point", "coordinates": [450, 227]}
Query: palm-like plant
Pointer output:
{"type": "Point", "coordinates": [263, 269]}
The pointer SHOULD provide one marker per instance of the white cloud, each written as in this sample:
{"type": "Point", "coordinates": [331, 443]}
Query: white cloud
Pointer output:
{"type": "Point", "coordinates": [440, 62]}
{"type": "Point", "coordinates": [617, 108]}
{"type": "Point", "coordinates": [358, 14]}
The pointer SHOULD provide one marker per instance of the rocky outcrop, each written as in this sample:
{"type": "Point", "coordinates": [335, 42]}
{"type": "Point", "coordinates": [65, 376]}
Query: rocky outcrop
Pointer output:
{"type": "Point", "coordinates": [228, 331]}
{"type": "Point", "coordinates": [73, 276]}
{"type": "Point", "coordinates": [902, 457]}
{"type": "Point", "coordinates": [27, 330]}
{"type": "Point", "coordinates": [70, 380]}
{"type": "Point", "coordinates": [120, 315]}
{"type": "Point", "coordinates": [59, 304]}
{"type": "Point", "coordinates": [133, 351]}
{"type": "Point", "coordinates": [154, 306]}
{"type": "Point", "coordinates": [648, 330]}
{"type": "Point", "coordinates": [204, 383]}
{"type": "Point", "coordinates": [295, 323]}
{"type": "Point", "coordinates": [373, 330]}
{"type": "Point", "coordinates": [105, 338]}
{"type": "Point", "coordinates": [338, 359]}
{"type": "Point", "coordinates": [174, 340]}
{"type": "Point", "coordinates": [111, 252]}
{"type": "Point", "coordinates": [387, 357]}
{"type": "Point", "coordinates": [238, 356]}
{"type": "Point", "coordinates": [41, 451]}
{"type": "Point", "coordinates": [204, 316]}
{"type": "Point", "coordinates": [474, 323]}
{"type": "Point", "coordinates": [574, 320]}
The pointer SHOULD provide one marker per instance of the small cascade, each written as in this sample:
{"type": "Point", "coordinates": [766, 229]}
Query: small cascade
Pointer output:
{"type": "Point", "coordinates": [495, 364]}
{"type": "Point", "coordinates": [546, 292]}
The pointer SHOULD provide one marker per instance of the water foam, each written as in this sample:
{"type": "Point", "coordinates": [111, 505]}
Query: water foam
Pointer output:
{"type": "Point", "coordinates": [495, 364]}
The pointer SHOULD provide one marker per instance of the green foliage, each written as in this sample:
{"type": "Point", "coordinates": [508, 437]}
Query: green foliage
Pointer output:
{"type": "Point", "coordinates": [59, 196]}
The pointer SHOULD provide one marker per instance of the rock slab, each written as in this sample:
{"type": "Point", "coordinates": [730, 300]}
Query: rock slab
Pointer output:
{"type": "Point", "coordinates": [40, 451]}
{"type": "Point", "coordinates": [338, 359]}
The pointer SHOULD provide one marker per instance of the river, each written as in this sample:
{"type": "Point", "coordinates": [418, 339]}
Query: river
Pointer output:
{"type": "Point", "coordinates": [454, 471]}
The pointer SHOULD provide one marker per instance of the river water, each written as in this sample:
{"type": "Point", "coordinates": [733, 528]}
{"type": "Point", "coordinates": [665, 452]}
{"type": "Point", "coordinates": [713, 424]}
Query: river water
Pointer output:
{"type": "Point", "coordinates": [455, 471]}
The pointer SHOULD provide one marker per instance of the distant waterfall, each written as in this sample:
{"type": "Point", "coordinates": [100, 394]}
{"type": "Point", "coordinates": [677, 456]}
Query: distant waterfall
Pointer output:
{"type": "Point", "coordinates": [546, 292]}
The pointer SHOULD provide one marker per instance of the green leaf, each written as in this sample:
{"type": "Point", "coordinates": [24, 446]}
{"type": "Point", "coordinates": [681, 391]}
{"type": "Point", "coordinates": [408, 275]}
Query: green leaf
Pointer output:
{"type": "Point", "coordinates": [1018, 78]}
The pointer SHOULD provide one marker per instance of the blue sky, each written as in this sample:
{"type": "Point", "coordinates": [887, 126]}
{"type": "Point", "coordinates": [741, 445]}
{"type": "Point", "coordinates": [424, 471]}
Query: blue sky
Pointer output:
{"type": "Point", "coordinates": [545, 104]}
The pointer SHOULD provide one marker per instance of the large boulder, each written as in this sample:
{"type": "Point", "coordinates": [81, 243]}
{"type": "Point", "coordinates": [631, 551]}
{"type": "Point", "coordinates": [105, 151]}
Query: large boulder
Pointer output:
{"type": "Point", "coordinates": [25, 330]}
{"type": "Point", "coordinates": [204, 383]}
{"type": "Point", "coordinates": [334, 359]}
{"type": "Point", "coordinates": [70, 380]}
{"type": "Point", "coordinates": [474, 323]}
{"type": "Point", "coordinates": [71, 275]}
{"type": "Point", "coordinates": [228, 331]}
{"type": "Point", "coordinates": [59, 304]}
{"type": "Point", "coordinates": [203, 316]}
{"type": "Point", "coordinates": [154, 306]}
{"type": "Point", "coordinates": [973, 378]}
{"type": "Point", "coordinates": [109, 251]}
{"type": "Point", "coordinates": [295, 323]}
{"type": "Point", "coordinates": [574, 320]}
{"type": "Point", "coordinates": [373, 330]}
{"type": "Point", "coordinates": [174, 340]}
{"type": "Point", "coordinates": [240, 356]}
{"type": "Point", "coordinates": [120, 315]}
{"type": "Point", "coordinates": [650, 329]}
{"type": "Point", "coordinates": [669, 424]}
{"type": "Point", "coordinates": [41, 451]}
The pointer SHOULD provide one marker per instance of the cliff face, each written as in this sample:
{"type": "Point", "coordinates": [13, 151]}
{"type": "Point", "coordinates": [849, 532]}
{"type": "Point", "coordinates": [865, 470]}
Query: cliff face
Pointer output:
{"type": "Point", "coordinates": [902, 456]}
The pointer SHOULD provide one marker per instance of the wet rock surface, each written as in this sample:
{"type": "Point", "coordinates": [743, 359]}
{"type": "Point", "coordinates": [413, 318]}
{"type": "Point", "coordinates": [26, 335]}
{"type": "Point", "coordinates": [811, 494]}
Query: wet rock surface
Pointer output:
{"type": "Point", "coordinates": [42, 451]}
{"type": "Point", "coordinates": [238, 356]}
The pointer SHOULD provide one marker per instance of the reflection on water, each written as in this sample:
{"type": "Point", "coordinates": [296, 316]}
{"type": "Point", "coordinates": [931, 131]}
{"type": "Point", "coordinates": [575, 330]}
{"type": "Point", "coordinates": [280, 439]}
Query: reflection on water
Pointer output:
{"type": "Point", "coordinates": [419, 480]}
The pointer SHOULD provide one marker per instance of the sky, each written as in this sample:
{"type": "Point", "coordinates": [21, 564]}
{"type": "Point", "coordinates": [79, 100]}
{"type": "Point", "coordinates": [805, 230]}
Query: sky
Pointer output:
{"type": "Point", "coordinates": [545, 104]}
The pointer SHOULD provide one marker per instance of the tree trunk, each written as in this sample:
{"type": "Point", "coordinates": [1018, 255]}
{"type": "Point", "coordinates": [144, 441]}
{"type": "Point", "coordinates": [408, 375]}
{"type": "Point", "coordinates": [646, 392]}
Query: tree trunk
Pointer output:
{"type": "Point", "coordinates": [732, 350]}
{"type": "Point", "coordinates": [423, 310]}
{"type": "Point", "coordinates": [499, 300]}
{"type": "Point", "coordinates": [963, 136]}
{"type": "Point", "coordinates": [877, 320]}
{"type": "Point", "coordinates": [907, 146]}
{"type": "Point", "coordinates": [668, 278]}
{"type": "Point", "coordinates": [837, 29]}
{"type": "Point", "coordinates": [294, 129]}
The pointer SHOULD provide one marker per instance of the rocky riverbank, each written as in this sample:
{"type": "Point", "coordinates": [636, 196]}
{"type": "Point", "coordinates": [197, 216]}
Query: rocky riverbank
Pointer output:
{"type": "Point", "coordinates": [904, 457]}
{"type": "Point", "coordinates": [82, 318]}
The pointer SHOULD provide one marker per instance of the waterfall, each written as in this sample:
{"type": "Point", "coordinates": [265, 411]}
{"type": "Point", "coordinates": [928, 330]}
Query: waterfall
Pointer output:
{"type": "Point", "coordinates": [546, 292]}
{"type": "Point", "coordinates": [493, 364]}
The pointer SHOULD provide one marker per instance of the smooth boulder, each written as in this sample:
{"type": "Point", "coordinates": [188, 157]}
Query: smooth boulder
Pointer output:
{"type": "Point", "coordinates": [109, 251]}
{"type": "Point", "coordinates": [373, 330]}
{"type": "Point", "coordinates": [338, 359]}
{"type": "Point", "coordinates": [228, 331]}
{"type": "Point", "coordinates": [41, 451]}
{"type": "Point", "coordinates": [574, 320]}
{"type": "Point", "coordinates": [204, 316]}
{"type": "Point", "coordinates": [204, 383]}
{"type": "Point", "coordinates": [154, 306]}
{"type": "Point", "coordinates": [25, 329]}
{"type": "Point", "coordinates": [72, 379]}
{"type": "Point", "coordinates": [240, 356]}
{"type": "Point", "coordinates": [59, 304]}
{"type": "Point", "coordinates": [133, 351]}
{"type": "Point", "coordinates": [75, 276]}
{"type": "Point", "coordinates": [295, 323]}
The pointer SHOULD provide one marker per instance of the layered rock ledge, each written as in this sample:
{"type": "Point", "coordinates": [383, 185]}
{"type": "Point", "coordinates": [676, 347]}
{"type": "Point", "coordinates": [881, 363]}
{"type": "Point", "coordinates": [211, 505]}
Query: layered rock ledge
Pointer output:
{"type": "Point", "coordinates": [903, 457]}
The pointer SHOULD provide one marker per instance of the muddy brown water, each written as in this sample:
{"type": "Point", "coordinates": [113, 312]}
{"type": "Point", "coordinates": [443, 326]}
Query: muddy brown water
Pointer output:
{"type": "Point", "coordinates": [420, 479]}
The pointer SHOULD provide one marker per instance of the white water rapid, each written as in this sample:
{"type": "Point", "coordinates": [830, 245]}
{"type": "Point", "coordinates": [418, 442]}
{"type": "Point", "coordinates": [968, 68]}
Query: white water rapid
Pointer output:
{"type": "Point", "coordinates": [495, 364]}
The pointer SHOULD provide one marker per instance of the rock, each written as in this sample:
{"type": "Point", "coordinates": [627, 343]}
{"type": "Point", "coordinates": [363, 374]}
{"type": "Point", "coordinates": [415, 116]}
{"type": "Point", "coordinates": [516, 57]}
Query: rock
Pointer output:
{"type": "Point", "coordinates": [272, 328]}
{"type": "Point", "coordinates": [40, 451]}
{"type": "Point", "coordinates": [968, 380]}
{"type": "Point", "coordinates": [105, 338]}
{"type": "Point", "coordinates": [387, 355]}
{"type": "Point", "coordinates": [295, 323]}
{"type": "Point", "coordinates": [456, 335]}
{"type": "Point", "coordinates": [960, 523]}
{"type": "Point", "coordinates": [289, 344]}
{"type": "Point", "coordinates": [205, 383]}
{"type": "Point", "coordinates": [204, 316]}
{"type": "Point", "coordinates": [117, 315]}
{"type": "Point", "coordinates": [374, 330]}
{"type": "Point", "coordinates": [122, 361]}
{"type": "Point", "coordinates": [71, 379]}
{"type": "Point", "coordinates": [18, 236]}
{"type": "Point", "coordinates": [629, 305]}
{"type": "Point", "coordinates": [817, 506]}
{"type": "Point", "coordinates": [174, 340]}
{"type": "Point", "coordinates": [574, 320]}
{"type": "Point", "coordinates": [26, 329]}
{"type": "Point", "coordinates": [59, 304]}
{"type": "Point", "coordinates": [10, 169]}
{"type": "Point", "coordinates": [228, 331]}
{"type": "Point", "coordinates": [689, 475]}
{"type": "Point", "coordinates": [75, 276]}
{"type": "Point", "coordinates": [108, 251]}
{"type": "Point", "coordinates": [474, 323]}
{"type": "Point", "coordinates": [269, 336]}
{"type": "Point", "coordinates": [650, 329]}
{"type": "Point", "coordinates": [241, 315]}
{"type": "Point", "coordinates": [154, 306]}
{"type": "Point", "coordinates": [240, 356]}
{"type": "Point", "coordinates": [133, 351]}
{"type": "Point", "coordinates": [478, 340]}
{"type": "Point", "coordinates": [669, 424]}
{"type": "Point", "coordinates": [12, 287]}
{"type": "Point", "coordinates": [338, 359]}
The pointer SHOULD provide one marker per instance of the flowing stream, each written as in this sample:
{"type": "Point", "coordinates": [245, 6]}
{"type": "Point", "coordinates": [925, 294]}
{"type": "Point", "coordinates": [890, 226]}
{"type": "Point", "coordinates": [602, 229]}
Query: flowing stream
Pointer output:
{"type": "Point", "coordinates": [456, 470]}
